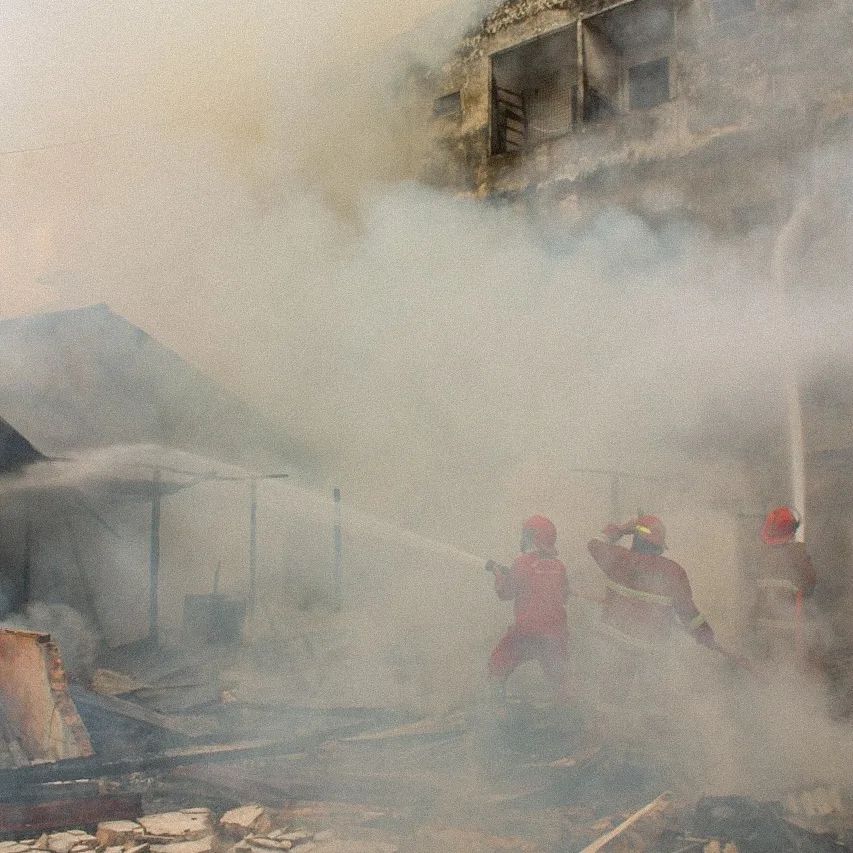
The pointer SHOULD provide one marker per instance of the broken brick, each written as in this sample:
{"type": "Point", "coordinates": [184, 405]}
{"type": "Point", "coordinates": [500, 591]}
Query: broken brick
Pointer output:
{"type": "Point", "coordinates": [185, 825]}
{"type": "Point", "coordinates": [245, 819]}
{"type": "Point", "coordinates": [117, 832]}
{"type": "Point", "coordinates": [198, 845]}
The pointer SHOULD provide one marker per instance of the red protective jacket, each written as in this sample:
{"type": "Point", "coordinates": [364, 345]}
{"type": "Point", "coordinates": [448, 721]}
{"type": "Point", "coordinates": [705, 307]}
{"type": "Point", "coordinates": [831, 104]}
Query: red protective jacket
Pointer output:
{"type": "Point", "coordinates": [537, 584]}
{"type": "Point", "coordinates": [645, 592]}
{"type": "Point", "coordinates": [783, 571]}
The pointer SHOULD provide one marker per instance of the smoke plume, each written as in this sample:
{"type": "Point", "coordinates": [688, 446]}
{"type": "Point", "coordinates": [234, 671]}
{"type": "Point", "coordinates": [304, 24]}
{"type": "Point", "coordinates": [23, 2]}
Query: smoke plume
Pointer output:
{"type": "Point", "coordinates": [249, 196]}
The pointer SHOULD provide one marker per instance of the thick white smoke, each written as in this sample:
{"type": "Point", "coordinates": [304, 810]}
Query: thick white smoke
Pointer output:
{"type": "Point", "coordinates": [449, 363]}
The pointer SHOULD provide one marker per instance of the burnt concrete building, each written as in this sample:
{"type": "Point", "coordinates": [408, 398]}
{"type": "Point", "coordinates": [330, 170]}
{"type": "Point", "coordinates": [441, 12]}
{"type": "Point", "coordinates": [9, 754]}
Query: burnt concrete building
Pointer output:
{"type": "Point", "coordinates": [665, 107]}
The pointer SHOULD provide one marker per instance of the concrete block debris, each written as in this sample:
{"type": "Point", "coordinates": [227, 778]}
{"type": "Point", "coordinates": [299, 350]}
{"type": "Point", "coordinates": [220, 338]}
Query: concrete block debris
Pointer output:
{"type": "Point", "coordinates": [249, 828]}
{"type": "Point", "coordinates": [108, 682]}
{"type": "Point", "coordinates": [760, 827]}
{"type": "Point", "coordinates": [814, 803]}
{"type": "Point", "coordinates": [239, 822]}
{"type": "Point", "coordinates": [112, 833]}
{"type": "Point", "coordinates": [198, 845]}
{"type": "Point", "coordinates": [72, 840]}
{"type": "Point", "coordinates": [186, 825]}
{"type": "Point", "coordinates": [260, 843]}
{"type": "Point", "coordinates": [297, 837]}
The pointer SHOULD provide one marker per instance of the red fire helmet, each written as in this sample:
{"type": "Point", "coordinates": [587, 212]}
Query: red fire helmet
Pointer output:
{"type": "Point", "coordinates": [543, 530]}
{"type": "Point", "coordinates": [780, 525]}
{"type": "Point", "coordinates": [650, 529]}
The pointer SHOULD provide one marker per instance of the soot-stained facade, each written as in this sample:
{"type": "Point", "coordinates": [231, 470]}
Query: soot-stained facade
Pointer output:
{"type": "Point", "coordinates": [697, 108]}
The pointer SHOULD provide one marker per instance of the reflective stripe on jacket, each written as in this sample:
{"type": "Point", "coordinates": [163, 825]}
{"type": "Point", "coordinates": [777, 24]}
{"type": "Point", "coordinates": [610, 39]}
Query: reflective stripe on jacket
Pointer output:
{"type": "Point", "coordinates": [784, 572]}
{"type": "Point", "coordinates": [645, 593]}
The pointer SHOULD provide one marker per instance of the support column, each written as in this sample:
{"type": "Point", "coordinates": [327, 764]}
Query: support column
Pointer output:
{"type": "Point", "coordinates": [154, 561]}
{"type": "Point", "coordinates": [581, 63]}
{"type": "Point", "coordinates": [338, 565]}
{"type": "Point", "coordinates": [253, 544]}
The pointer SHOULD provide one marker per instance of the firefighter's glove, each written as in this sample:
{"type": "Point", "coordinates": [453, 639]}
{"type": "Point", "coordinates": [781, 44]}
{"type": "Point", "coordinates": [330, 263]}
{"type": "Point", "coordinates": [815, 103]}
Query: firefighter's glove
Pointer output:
{"type": "Point", "coordinates": [614, 532]}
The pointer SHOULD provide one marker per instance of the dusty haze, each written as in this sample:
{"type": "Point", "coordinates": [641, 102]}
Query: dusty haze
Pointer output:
{"type": "Point", "coordinates": [249, 200]}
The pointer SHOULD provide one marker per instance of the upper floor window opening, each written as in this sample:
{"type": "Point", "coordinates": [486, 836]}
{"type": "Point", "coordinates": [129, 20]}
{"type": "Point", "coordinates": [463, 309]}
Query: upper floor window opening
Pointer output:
{"type": "Point", "coordinates": [447, 105]}
{"type": "Point", "coordinates": [534, 93]}
{"type": "Point", "coordinates": [648, 84]}
{"type": "Point", "coordinates": [627, 58]}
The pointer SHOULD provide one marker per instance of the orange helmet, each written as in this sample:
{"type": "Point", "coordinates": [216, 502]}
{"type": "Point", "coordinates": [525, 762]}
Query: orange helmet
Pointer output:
{"type": "Point", "coordinates": [650, 529]}
{"type": "Point", "coordinates": [541, 532]}
{"type": "Point", "coordinates": [780, 525]}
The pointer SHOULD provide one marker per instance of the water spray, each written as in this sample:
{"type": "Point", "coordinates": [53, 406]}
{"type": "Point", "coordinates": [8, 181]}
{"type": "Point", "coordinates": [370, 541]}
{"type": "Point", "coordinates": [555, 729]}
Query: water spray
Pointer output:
{"type": "Point", "coordinates": [783, 250]}
{"type": "Point", "coordinates": [318, 505]}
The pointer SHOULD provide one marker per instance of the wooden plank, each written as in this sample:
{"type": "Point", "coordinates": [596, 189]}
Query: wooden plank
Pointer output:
{"type": "Point", "coordinates": [581, 72]}
{"type": "Point", "coordinates": [249, 783]}
{"type": "Point", "coordinates": [658, 805]}
{"type": "Point", "coordinates": [184, 725]}
{"type": "Point", "coordinates": [88, 768]}
{"type": "Point", "coordinates": [426, 727]}
{"type": "Point", "coordinates": [94, 767]}
{"type": "Point", "coordinates": [76, 789]}
{"type": "Point", "coordinates": [19, 820]}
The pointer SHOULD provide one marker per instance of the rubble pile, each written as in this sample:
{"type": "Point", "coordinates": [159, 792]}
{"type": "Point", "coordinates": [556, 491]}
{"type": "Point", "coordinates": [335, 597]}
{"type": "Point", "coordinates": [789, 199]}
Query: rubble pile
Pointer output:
{"type": "Point", "coordinates": [246, 829]}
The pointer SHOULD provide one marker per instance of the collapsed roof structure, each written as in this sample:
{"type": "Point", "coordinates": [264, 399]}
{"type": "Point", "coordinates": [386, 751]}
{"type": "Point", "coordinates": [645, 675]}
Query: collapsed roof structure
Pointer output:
{"type": "Point", "coordinates": [87, 378]}
{"type": "Point", "coordinates": [127, 423]}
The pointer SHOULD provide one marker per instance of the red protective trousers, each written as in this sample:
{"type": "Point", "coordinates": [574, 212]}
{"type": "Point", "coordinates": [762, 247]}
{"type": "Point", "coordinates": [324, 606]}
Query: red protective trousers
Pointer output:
{"type": "Point", "coordinates": [515, 649]}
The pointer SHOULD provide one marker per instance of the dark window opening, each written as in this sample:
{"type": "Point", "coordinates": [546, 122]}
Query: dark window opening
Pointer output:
{"type": "Point", "coordinates": [596, 106]}
{"type": "Point", "coordinates": [648, 84]}
{"type": "Point", "coordinates": [448, 105]}
{"type": "Point", "coordinates": [626, 64]}
{"type": "Point", "coordinates": [534, 92]}
{"type": "Point", "coordinates": [725, 10]}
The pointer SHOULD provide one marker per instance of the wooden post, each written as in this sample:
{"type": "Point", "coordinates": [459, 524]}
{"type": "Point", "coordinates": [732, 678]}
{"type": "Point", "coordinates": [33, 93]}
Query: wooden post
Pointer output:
{"type": "Point", "coordinates": [654, 813]}
{"type": "Point", "coordinates": [154, 561]}
{"type": "Point", "coordinates": [253, 543]}
{"type": "Point", "coordinates": [581, 65]}
{"type": "Point", "coordinates": [338, 567]}
{"type": "Point", "coordinates": [27, 585]}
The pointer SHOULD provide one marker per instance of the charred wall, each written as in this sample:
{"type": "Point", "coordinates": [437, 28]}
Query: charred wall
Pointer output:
{"type": "Point", "coordinates": [753, 87]}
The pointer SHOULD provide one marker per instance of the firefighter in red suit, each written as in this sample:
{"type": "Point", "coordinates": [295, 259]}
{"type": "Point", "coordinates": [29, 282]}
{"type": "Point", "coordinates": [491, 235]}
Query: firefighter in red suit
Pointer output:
{"type": "Point", "coordinates": [538, 588]}
{"type": "Point", "coordinates": [785, 626]}
{"type": "Point", "coordinates": [645, 592]}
